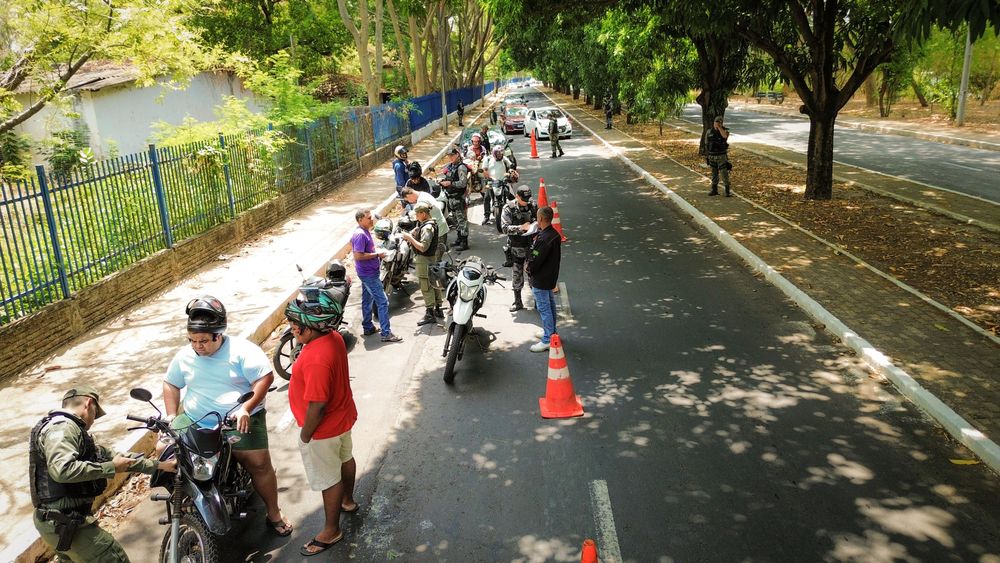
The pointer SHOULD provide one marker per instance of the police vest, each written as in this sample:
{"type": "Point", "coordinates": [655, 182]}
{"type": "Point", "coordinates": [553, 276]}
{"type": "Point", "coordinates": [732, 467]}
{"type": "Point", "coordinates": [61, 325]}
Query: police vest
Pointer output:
{"type": "Point", "coordinates": [45, 489]}
{"type": "Point", "coordinates": [716, 144]}
{"type": "Point", "coordinates": [432, 247]}
{"type": "Point", "coordinates": [451, 174]}
{"type": "Point", "coordinates": [518, 216]}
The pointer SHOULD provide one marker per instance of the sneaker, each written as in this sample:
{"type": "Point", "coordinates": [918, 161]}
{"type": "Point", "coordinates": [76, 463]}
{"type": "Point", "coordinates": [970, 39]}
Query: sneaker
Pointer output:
{"type": "Point", "coordinates": [540, 334]}
{"type": "Point", "coordinates": [539, 346]}
{"type": "Point", "coordinates": [391, 338]}
{"type": "Point", "coordinates": [370, 331]}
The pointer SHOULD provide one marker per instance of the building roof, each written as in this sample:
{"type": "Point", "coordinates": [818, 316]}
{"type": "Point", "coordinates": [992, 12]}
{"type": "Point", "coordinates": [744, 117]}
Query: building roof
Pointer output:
{"type": "Point", "coordinates": [93, 76]}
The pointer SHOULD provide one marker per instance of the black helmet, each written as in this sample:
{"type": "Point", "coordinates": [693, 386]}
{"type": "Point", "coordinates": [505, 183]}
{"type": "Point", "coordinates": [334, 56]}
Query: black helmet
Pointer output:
{"type": "Point", "coordinates": [414, 169]}
{"type": "Point", "coordinates": [206, 314]}
{"type": "Point", "coordinates": [323, 315]}
{"type": "Point", "coordinates": [336, 272]}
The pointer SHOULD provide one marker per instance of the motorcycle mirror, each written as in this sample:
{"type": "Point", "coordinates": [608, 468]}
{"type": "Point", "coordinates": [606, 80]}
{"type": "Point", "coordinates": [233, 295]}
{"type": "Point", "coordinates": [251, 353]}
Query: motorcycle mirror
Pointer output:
{"type": "Point", "coordinates": [141, 394]}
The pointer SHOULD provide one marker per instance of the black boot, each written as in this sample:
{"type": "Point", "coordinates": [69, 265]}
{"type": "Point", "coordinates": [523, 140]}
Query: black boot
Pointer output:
{"type": "Point", "coordinates": [715, 191]}
{"type": "Point", "coordinates": [428, 318]}
{"type": "Point", "coordinates": [462, 244]}
{"type": "Point", "coordinates": [728, 193]}
{"type": "Point", "coordinates": [561, 152]}
{"type": "Point", "coordinates": [438, 312]}
{"type": "Point", "coordinates": [517, 306]}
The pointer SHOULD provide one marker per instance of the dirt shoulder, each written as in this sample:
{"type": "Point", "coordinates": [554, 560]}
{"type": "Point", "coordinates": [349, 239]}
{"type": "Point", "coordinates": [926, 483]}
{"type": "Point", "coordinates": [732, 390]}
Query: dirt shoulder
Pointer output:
{"type": "Point", "coordinates": [957, 265]}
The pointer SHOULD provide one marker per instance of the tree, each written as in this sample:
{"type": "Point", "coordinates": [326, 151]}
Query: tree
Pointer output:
{"type": "Point", "coordinates": [826, 49]}
{"type": "Point", "coordinates": [46, 42]}
{"type": "Point", "coordinates": [362, 33]}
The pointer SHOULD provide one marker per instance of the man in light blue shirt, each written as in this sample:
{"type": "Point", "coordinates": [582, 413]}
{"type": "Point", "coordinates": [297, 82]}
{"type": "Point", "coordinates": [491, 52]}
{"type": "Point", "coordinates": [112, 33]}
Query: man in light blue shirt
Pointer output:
{"type": "Point", "coordinates": [214, 372]}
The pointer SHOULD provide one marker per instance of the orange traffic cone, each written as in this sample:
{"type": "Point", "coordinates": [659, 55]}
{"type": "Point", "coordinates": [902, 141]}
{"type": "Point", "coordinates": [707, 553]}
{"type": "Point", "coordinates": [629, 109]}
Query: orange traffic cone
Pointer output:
{"type": "Point", "coordinates": [543, 198]}
{"type": "Point", "coordinates": [589, 554]}
{"type": "Point", "coordinates": [559, 401]}
{"type": "Point", "coordinates": [534, 145]}
{"type": "Point", "coordinates": [556, 222]}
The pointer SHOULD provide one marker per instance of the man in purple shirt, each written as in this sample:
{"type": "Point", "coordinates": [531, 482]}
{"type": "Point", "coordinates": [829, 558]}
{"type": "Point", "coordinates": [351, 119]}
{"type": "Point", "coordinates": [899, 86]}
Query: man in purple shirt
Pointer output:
{"type": "Point", "coordinates": [366, 264]}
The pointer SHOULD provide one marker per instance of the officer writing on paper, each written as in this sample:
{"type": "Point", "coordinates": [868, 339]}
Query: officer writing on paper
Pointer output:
{"type": "Point", "coordinates": [68, 470]}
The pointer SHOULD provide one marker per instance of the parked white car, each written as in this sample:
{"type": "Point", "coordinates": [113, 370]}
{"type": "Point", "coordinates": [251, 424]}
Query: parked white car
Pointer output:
{"type": "Point", "coordinates": [538, 120]}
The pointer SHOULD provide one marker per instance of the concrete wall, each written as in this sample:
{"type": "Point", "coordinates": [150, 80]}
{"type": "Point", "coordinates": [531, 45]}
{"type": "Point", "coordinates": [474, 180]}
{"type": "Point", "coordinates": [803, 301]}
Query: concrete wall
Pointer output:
{"type": "Point", "coordinates": [124, 114]}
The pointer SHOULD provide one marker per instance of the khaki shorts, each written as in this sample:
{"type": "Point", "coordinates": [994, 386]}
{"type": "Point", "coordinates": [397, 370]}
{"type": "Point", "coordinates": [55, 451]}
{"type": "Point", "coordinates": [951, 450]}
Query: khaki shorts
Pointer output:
{"type": "Point", "coordinates": [323, 459]}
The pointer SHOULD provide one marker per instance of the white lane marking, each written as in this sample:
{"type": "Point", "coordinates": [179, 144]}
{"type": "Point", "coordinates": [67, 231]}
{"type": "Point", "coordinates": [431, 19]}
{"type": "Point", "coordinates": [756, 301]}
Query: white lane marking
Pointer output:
{"type": "Point", "coordinates": [960, 166]}
{"type": "Point", "coordinates": [565, 313]}
{"type": "Point", "coordinates": [607, 537]}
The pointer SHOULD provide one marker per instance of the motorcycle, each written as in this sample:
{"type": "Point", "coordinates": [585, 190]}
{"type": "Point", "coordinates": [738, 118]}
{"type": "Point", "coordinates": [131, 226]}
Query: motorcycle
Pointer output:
{"type": "Point", "coordinates": [398, 258]}
{"type": "Point", "coordinates": [208, 491]}
{"type": "Point", "coordinates": [336, 287]}
{"type": "Point", "coordinates": [466, 294]}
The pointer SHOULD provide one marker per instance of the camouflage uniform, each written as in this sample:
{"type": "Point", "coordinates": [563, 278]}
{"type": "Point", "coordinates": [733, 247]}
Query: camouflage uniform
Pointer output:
{"type": "Point", "coordinates": [458, 174]}
{"type": "Point", "coordinates": [718, 159]}
{"type": "Point", "coordinates": [554, 137]}
{"type": "Point", "coordinates": [518, 243]}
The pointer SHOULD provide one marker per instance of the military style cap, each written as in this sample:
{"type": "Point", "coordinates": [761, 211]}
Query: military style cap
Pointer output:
{"type": "Point", "coordinates": [86, 391]}
{"type": "Point", "coordinates": [524, 191]}
{"type": "Point", "coordinates": [422, 206]}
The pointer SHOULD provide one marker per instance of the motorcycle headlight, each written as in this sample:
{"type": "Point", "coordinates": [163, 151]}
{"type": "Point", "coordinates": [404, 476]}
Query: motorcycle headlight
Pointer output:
{"type": "Point", "coordinates": [467, 293]}
{"type": "Point", "coordinates": [202, 468]}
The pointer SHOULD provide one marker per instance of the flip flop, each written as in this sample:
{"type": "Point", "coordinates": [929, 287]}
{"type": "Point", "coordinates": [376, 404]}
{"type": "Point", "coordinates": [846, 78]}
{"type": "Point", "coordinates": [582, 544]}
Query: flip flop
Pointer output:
{"type": "Point", "coordinates": [322, 545]}
{"type": "Point", "coordinates": [282, 523]}
{"type": "Point", "coordinates": [346, 510]}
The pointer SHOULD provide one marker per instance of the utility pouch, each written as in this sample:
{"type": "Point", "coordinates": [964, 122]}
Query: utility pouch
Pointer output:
{"type": "Point", "coordinates": [65, 526]}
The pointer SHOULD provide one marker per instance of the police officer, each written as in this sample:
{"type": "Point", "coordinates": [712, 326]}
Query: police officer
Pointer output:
{"type": "Point", "coordinates": [717, 147]}
{"type": "Point", "coordinates": [68, 470]}
{"type": "Point", "coordinates": [554, 134]}
{"type": "Point", "coordinates": [455, 184]}
{"type": "Point", "coordinates": [517, 219]}
{"type": "Point", "coordinates": [424, 240]}
{"type": "Point", "coordinates": [460, 109]}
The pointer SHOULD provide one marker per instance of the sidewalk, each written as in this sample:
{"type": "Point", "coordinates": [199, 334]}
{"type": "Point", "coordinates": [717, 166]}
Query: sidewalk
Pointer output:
{"type": "Point", "coordinates": [938, 134]}
{"type": "Point", "coordinates": [254, 282]}
{"type": "Point", "coordinates": [950, 360]}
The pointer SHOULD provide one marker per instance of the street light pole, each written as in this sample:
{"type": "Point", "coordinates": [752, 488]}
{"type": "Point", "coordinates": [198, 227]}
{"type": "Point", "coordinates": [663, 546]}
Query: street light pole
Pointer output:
{"type": "Point", "coordinates": [444, 68]}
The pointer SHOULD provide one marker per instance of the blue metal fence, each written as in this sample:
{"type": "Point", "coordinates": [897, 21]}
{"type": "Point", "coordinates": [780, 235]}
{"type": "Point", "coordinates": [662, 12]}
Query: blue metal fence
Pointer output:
{"type": "Point", "coordinates": [62, 232]}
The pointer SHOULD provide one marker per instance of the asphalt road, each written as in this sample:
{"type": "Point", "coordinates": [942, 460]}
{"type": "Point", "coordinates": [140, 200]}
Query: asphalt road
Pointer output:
{"type": "Point", "coordinates": [719, 426]}
{"type": "Point", "coordinates": [961, 169]}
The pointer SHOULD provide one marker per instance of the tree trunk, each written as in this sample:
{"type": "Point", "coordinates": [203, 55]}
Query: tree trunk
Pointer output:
{"type": "Point", "coordinates": [713, 102]}
{"type": "Point", "coordinates": [869, 89]}
{"type": "Point", "coordinates": [919, 92]}
{"type": "Point", "coordinates": [819, 174]}
{"type": "Point", "coordinates": [576, 92]}
{"type": "Point", "coordinates": [587, 99]}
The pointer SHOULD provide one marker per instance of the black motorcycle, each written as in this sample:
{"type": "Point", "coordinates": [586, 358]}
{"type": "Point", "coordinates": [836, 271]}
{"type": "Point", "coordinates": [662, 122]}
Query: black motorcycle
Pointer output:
{"type": "Point", "coordinates": [209, 490]}
{"type": "Point", "coordinates": [501, 195]}
{"type": "Point", "coordinates": [335, 288]}
{"type": "Point", "coordinates": [398, 258]}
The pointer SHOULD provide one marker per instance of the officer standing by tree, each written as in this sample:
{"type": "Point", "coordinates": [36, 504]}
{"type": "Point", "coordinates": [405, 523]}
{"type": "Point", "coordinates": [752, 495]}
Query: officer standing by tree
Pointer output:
{"type": "Point", "coordinates": [424, 241]}
{"type": "Point", "coordinates": [717, 147]}
{"type": "Point", "coordinates": [554, 134]}
{"type": "Point", "coordinates": [460, 108]}
{"type": "Point", "coordinates": [608, 112]}
{"type": "Point", "coordinates": [68, 470]}
{"type": "Point", "coordinates": [456, 189]}
{"type": "Point", "coordinates": [517, 219]}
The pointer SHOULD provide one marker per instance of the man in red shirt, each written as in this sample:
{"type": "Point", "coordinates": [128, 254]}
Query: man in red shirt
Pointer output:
{"type": "Point", "coordinates": [321, 400]}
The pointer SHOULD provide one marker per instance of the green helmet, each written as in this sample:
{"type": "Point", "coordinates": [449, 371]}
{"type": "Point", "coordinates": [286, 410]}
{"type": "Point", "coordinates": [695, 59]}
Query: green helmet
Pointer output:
{"type": "Point", "coordinates": [322, 315]}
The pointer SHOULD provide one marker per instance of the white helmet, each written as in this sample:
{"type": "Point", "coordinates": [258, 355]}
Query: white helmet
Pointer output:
{"type": "Point", "coordinates": [399, 151]}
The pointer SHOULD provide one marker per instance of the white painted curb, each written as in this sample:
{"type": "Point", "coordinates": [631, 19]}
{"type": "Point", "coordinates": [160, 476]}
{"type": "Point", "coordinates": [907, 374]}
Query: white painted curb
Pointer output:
{"type": "Point", "coordinates": [962, 430]}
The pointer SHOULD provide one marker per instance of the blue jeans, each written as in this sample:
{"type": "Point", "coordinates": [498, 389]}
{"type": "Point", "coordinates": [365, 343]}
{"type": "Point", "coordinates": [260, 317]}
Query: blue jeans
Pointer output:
{"type": "Point", "coordinates": [545, 304]}
{"type": "Point", "coordinates": [371, 290]}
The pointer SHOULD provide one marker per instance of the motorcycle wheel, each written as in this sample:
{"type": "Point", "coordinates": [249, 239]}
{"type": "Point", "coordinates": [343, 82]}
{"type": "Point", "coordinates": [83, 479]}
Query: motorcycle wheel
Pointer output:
{"type": "Point", "coordinates": [195, 544]}
{"type": "Point", "coordinates": [284, 355]}
{"type": "Point", "coordinates": [457, 339]}
{"type": "Point", "coordinates": [240, 487]}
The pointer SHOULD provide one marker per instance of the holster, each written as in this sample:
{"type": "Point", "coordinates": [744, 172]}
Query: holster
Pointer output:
{"type": "Point", "coordinates": [65, 525]}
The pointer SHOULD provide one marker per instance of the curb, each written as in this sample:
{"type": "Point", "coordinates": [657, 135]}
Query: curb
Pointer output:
{"type": "Point", "coordinates": [958, 427]}
{"type": "Point", "coordinates": [934, 137]}
{"type": "Point", "coordinates": [965, 219]}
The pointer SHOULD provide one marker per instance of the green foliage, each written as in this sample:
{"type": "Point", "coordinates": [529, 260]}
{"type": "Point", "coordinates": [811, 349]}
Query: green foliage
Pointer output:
{"type": "Point", "coordinates": [68, 150]}
{"type": "Point", "coordinates": [46, 38]}
{"type": "Point", "coordinates": [13, 156]}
